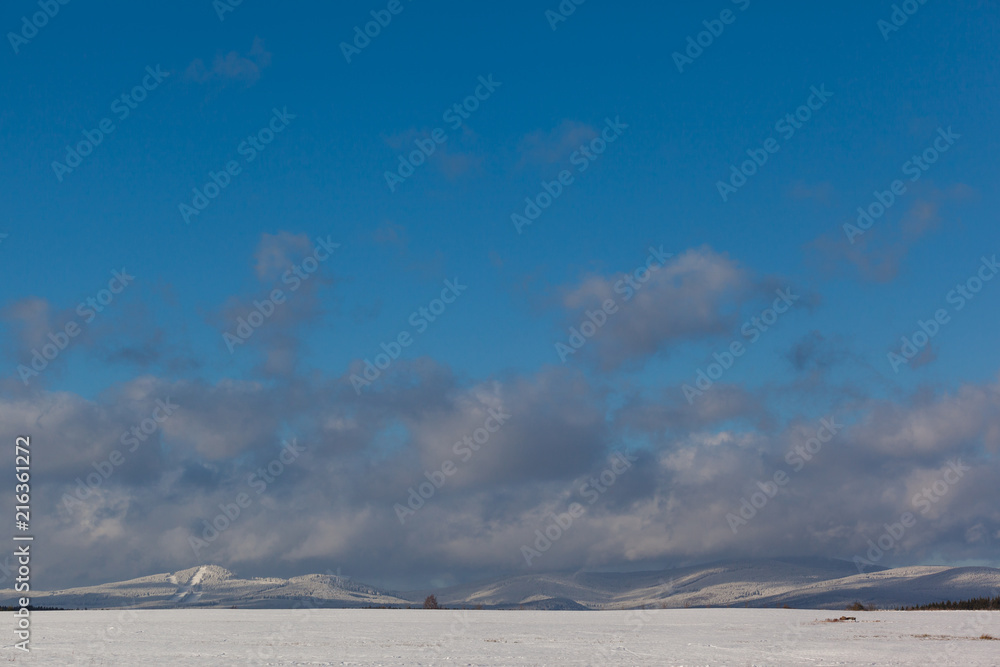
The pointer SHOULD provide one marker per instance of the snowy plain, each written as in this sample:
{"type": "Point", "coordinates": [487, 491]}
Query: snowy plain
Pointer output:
{"type": "Point", "coordinates": [738, 637]}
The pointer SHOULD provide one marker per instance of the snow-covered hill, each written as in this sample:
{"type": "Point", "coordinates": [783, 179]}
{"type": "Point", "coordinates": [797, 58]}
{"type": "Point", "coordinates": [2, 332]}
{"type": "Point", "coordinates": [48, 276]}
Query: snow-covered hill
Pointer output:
{"type": "Point", "coordinates": [798, 583]}
{"type": "Point", "coordinates": [214, 586]}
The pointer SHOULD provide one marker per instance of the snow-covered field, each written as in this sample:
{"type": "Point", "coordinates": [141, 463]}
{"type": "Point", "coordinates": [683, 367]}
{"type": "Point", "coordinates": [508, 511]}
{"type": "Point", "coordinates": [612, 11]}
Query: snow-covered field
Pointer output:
{"type": "Point", "coordinates": [416, 637]}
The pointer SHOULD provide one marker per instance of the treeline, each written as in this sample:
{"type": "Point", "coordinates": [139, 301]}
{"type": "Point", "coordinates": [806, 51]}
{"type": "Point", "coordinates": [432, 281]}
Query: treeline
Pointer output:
{"type": "Point", "coordinates": [975, 604]}
{"type": "Point", "coordinates": [31, 607]}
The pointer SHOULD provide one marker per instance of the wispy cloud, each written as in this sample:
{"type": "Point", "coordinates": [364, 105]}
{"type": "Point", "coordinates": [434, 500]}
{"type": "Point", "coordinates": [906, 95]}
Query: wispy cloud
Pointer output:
{"type": "Point", "coordinates": [555, 145]}
{"type": "Point", "coordinates": [878, 254]}
{"type": "Point", "coordinates": [232, 66]}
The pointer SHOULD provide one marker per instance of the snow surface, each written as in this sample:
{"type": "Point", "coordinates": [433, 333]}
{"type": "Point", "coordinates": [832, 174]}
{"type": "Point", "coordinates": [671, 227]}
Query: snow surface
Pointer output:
{"type": "Point", "coordinates": [740, 637]}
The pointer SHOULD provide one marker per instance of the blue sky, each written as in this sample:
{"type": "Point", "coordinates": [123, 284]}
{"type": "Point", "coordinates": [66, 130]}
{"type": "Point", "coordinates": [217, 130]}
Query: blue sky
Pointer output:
{"type": "Point", "coordinates": [345, 124]}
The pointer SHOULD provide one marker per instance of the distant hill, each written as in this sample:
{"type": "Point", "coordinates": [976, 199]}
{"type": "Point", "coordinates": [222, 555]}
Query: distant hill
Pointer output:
{"type": "Point", "coordinates": [758, 583]}
{"type": "Point", "coordinates": [214, 586]}
{"type": "Point", "coordinates": [799, 583]}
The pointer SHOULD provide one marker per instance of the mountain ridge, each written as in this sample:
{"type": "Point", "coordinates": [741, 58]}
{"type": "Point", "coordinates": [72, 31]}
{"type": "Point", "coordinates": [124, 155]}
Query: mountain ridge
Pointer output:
{"type": "Point", "coordinates": [799, 583]}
